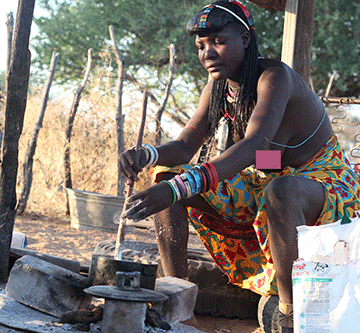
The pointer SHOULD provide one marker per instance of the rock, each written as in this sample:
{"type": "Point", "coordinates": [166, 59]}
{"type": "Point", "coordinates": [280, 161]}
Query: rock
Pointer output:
{"type": "Point", "coordinates": [123, 317]}
{"type": "Point", "coordinates": [47, 287]}
{"type": "Point", "coordinates": [182, 298]}
{"type": "Point", "coordinates": [71, 265]}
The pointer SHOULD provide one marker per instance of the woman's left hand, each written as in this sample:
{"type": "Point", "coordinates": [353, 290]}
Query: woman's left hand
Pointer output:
{"type": "Point", "coordinates": [153, 200]}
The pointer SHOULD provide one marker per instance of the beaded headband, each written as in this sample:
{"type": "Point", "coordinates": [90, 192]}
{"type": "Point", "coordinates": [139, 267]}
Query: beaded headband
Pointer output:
{"type": "Point", "coordinates": [203, 19]}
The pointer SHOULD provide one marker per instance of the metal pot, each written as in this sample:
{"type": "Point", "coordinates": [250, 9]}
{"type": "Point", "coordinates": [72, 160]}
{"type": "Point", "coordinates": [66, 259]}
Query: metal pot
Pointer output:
{"type": "Point", "coordinates": [103, 271]}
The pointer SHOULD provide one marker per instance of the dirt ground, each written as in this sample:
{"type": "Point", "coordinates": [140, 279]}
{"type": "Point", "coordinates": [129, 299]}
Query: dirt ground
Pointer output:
{"type": "Point", "coordinates": [57, 237]}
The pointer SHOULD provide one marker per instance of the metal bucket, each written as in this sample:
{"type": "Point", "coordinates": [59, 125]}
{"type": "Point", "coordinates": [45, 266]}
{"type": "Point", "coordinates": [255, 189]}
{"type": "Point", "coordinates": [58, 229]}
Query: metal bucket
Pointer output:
{"type": "Point", "coordinates": [103, 271]}
{"type": "Point", "coordinates": [90, 210]}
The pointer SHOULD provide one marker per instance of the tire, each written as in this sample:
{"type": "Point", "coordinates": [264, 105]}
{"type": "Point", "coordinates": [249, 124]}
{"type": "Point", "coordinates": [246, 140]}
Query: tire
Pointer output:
{"type": "Point", "coordinates": [266, 308]}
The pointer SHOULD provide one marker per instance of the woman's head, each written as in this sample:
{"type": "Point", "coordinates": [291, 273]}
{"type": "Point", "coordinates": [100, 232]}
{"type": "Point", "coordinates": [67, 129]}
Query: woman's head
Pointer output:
{"type": "Point", "coordinates": [210, 20]}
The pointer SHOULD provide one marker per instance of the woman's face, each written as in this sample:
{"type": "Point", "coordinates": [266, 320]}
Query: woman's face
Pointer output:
{"type": "Point", "coordinates": [222, 53]}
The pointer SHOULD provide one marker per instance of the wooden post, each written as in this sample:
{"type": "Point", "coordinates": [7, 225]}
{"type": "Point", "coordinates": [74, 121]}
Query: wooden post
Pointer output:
{"type": "Point", "coordinates": [119, 115]}
{"type": "Point", "coordinates": [298, 36]}
{"type": "Point", "coordinates": [289, 34]}
{"type": "Point", "coordinates": [304, 38]}
{"type": "Point", "coordinates": [10, 29]}
{"type": "Point", "coordinates": [31, 148]}
{"type": "Point", "coordinates": [122, 223]}
{"type": "Point", "coordinates": [70, 125]}
{"type": "Point", "coordinates": [15, 105]}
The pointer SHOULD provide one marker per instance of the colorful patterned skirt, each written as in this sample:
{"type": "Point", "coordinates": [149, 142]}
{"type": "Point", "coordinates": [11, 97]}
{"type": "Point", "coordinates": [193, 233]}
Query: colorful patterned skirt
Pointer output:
{"type": "Point", "coordinates": [239, 241]}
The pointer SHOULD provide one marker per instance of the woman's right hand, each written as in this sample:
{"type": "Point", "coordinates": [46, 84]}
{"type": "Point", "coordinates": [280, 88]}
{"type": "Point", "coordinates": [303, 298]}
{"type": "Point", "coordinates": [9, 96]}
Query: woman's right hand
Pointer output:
{"type": "Point", "coordinates": [129, 167]}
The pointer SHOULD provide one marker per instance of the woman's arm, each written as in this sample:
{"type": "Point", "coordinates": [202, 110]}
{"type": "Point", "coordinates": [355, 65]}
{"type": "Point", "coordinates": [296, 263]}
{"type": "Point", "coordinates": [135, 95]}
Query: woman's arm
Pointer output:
{"type": "Point", "coordinates": [274, 92]}
{"type": "Point", "coordinates": [179, 151]}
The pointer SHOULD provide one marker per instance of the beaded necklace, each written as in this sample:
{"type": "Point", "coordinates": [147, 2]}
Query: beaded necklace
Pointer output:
{"type": "Point", "coordinates": [229, 96]}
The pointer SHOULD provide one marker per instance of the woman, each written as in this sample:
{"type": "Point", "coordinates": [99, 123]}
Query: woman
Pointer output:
{"type": "Point", "coordinates": [244, 210]}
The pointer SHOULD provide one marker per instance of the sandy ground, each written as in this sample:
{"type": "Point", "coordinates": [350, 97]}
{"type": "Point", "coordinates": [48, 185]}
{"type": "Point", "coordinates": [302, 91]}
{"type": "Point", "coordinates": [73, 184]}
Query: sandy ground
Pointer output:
{"type": "Point", "coordinates": [57, 237]}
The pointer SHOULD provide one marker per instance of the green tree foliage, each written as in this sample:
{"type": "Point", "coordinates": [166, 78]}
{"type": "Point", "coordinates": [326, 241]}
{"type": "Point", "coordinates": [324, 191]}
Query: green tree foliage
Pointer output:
{"type": "Point", "coordinates": [145, 29]}
{"type": "Point", "coordinates": [336, 47]}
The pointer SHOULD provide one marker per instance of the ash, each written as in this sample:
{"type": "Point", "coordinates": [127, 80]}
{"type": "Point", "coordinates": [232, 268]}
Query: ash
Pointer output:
{"type": "Point", "coordinates": [96, 328]}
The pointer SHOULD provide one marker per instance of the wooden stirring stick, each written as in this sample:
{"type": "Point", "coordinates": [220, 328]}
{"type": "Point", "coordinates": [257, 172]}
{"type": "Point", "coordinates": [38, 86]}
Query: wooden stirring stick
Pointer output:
{"type": "Point", "coordinates": [129, 188]}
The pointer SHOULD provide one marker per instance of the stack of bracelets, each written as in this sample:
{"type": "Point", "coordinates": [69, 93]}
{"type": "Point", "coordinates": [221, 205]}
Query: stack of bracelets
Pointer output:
{"type": "Point", "coordinates": [199, 179]}
{"type": "Point", "coordinates": [151, 154]}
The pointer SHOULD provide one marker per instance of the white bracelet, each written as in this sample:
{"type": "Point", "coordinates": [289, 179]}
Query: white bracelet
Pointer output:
{"type": "Point", "coordinates": [176, 188]}
{"type": "Point", "coordinates": [153, 155]}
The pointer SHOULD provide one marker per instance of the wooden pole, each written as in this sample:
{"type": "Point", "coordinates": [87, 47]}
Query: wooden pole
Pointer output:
{"type": "Point", "coordinates": [298, 36]}
{"type": "Point", "coordinates": [122, 224]}
{"type": "Point", "coordinates": [289, 35]}
{"type": "Point", "coordinates": [15, 105]}
{"type": "Point", "coordinates": [119, 116]}
{"type": "Point", "coordinates": [10, 29]}
{"type": "Point", "coordinates": [31, 148]}
{"type": "Point", "coordinates": [304, 38]}
{"type": "Point", "coordinates": [70, 125]}
{"type": "Point", "coordinates": [328, 88]}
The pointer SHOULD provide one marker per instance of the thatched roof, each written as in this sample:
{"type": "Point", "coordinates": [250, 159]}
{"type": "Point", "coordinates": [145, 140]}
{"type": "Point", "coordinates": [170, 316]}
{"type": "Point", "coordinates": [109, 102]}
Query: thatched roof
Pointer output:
{"type": "Point", "coordinates": [270, 4]}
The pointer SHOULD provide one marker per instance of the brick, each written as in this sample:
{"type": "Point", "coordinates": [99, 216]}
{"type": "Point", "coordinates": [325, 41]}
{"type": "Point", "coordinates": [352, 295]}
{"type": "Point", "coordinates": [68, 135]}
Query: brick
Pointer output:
{"type": "Point", "coordinates": [47, 287]}
{"type": "Point", "coordinates": [123, 317]}
{"type": "Point", "coordinates": [182, 298]}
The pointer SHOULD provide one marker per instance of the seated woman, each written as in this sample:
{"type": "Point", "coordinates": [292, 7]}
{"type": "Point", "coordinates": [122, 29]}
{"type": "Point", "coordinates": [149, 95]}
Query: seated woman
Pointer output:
{"type": "Point", "coordinates": [245, 210]}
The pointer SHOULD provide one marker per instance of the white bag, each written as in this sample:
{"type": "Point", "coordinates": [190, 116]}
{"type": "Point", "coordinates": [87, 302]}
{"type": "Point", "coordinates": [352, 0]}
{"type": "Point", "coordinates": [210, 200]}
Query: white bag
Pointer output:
{"type": "Point", "coordinates": [18, 240]}
{"type": "Point", "coordinates": [326, 278]}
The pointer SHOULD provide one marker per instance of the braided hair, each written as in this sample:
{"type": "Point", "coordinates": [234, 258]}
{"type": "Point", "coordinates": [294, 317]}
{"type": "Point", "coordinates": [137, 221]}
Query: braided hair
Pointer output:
{"type": "Point", "coordinates": [213, 18]}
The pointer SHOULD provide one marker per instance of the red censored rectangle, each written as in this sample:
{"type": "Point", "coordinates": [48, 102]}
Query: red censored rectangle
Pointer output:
{"type": "Point", "coordinates": [268, 159]}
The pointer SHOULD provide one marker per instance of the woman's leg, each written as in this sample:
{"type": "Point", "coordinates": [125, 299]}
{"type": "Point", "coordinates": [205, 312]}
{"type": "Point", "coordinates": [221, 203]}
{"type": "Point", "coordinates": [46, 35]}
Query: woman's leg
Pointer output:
{"type": "Point", "coordinates": [291, 202]}
{"type": "Point", "coordinates": [172, 233]}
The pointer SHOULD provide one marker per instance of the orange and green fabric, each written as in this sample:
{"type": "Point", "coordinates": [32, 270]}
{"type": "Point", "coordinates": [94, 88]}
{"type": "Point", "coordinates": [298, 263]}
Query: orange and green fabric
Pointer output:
{"type": "Point", "coordinates": [239, 242]}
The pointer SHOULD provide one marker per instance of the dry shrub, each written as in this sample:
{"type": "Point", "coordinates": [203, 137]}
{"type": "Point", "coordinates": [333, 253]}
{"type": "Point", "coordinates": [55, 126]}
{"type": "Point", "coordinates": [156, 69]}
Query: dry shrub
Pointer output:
{"type": "Point", "coordinates": [93, 146]}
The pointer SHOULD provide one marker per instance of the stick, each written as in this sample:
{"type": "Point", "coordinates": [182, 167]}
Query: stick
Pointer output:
{"type": "Point", "coordinates": [129, 188]}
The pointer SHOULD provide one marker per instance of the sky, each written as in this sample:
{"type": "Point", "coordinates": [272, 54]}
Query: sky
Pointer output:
{"type": "Point", "coordinates": [6, 7]}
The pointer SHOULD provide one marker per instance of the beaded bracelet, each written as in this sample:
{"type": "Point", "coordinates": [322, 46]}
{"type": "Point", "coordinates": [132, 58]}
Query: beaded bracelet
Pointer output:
{"type": "Point", "coordinates": [197, 180]}
{"type": "Point", "coordinates": [173, 190]}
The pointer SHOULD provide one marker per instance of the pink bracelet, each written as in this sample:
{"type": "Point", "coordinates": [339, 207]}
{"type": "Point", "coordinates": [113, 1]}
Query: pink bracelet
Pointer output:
{"type": "Point", "coordinates": [181, 184]}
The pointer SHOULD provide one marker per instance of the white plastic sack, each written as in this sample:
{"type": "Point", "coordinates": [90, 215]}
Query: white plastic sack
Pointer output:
{"type": "Point", "coordinates": [326, 279]}
{"type": "Point", "coordinates": [18, 240]}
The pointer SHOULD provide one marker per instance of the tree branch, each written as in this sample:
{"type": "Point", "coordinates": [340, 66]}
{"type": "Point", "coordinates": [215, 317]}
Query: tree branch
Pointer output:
{"type": "Point", "coordinates": [160, 111]}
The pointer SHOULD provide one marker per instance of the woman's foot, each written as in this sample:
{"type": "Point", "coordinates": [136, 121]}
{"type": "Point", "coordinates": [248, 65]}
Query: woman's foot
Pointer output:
{"type": "Point", "coordinates": [283, 319]}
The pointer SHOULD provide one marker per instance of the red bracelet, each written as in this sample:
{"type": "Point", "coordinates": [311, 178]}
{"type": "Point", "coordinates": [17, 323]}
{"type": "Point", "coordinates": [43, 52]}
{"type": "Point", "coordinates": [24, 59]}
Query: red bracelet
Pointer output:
{"type": "Point", "coordinates": [207, 167]}
{"type": "Point", "coordinates": [204, 180]}
{"type": "Point", "coordinates": [214, 175]}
